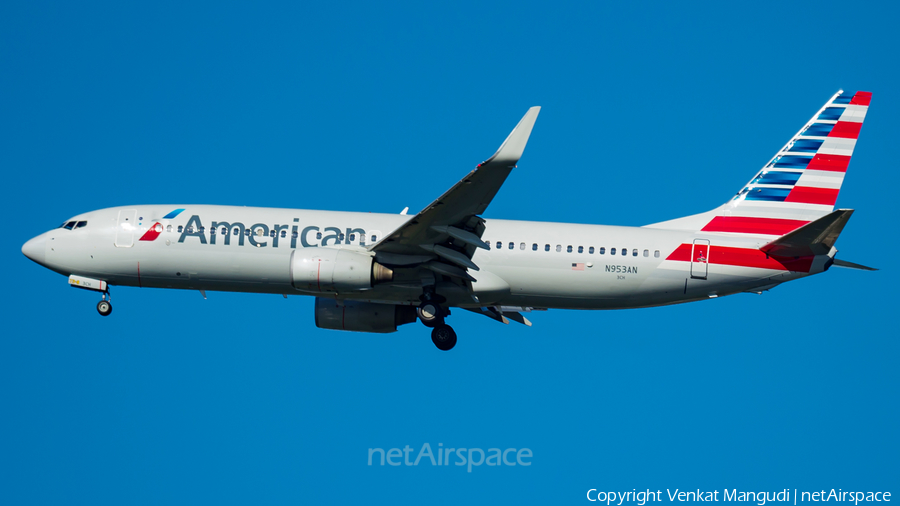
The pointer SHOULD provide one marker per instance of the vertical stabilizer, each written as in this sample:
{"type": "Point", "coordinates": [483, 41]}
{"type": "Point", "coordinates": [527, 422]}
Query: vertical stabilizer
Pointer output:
{"type": "Point", "coordinates": [800, 184]}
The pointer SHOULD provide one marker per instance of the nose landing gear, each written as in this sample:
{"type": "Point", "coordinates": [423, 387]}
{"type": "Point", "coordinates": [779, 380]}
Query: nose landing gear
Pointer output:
{"type": "Point", "coordinates": [104, 307]}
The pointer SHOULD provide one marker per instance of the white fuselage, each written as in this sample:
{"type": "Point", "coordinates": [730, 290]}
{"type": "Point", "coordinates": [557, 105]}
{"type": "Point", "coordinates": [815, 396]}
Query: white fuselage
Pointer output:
{"type": "Point", "coordinates": [537, 264]}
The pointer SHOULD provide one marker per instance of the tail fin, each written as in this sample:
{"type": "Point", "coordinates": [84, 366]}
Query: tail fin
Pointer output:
{"type": "Point", "coordinates": [800, 184]}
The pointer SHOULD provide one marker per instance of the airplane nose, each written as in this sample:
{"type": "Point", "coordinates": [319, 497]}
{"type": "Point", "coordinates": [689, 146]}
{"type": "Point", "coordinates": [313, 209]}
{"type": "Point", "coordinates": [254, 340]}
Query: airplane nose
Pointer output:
{"type": "Point", "coordinates": [35, 248]}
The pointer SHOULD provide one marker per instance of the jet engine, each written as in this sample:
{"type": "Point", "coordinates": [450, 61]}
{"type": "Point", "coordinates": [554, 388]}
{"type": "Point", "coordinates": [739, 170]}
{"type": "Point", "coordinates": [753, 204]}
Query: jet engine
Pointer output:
{"type": "Point", "coordinates": [335, 270]}
{"type": "Point", "coordinates": [359, 316]}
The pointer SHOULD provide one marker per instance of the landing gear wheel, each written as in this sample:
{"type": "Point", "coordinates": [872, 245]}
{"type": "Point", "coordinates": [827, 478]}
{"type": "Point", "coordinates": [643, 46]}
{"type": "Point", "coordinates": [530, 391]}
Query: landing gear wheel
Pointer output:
{"type": "Point", "coordinates": [443, 337]}
{"type": "Point", "coordinates": [104, 307]}
{"type": "Point", "coordinates": [431, 314]}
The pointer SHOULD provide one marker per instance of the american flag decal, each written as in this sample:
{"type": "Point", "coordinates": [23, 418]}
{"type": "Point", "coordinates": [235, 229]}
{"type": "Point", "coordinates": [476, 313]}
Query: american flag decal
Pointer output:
{"type": "Point", "coordinates": [577, 266]}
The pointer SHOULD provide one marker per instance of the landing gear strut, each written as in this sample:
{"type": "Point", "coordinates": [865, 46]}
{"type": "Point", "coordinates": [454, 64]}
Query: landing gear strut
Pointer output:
{"type": "Point", "coordinates": [104, 307]}
{"type": "Point", "coordinates": [432, 314]}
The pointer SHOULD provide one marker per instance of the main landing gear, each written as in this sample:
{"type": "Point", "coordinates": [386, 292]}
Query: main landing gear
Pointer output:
{"type": "Point", "coordinates": [104, 307]}
{"type": "Point", "coordinates": [432, 314]}
{"type": "Point", "coordinates": [444, 337]}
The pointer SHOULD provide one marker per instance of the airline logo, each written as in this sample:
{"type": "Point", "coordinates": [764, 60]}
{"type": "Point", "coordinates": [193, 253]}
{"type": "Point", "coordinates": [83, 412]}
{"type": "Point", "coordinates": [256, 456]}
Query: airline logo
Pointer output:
{"type": "Point", "coordinates": [153, 232]}
{"type": "Point", "coordinates": [261, 234]}
{"type": "Point", "coordinates": [804, 177]}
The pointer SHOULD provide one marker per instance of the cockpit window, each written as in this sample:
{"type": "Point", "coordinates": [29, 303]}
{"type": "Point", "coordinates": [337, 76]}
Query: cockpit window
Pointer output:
{"type": "Point", "coordinates": [81, 224]}
{"type": "Point", "coordinates": [69, 225]}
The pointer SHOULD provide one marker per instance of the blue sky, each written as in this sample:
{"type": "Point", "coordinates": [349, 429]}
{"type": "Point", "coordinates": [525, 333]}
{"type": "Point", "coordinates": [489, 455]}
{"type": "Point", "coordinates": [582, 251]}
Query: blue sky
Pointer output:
{"type": "Point", "coordinates": [651, 111]}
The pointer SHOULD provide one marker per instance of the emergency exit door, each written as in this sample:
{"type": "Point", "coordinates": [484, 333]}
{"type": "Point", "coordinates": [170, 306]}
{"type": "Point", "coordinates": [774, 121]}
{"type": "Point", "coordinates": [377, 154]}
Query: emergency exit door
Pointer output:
{"type": "Point", "coordinates": [700, 259]}
{"type": "Point", "coordinates": [125, 228]}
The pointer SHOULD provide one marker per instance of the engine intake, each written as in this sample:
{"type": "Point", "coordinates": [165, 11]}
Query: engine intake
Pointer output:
{"type": "Point", "coordinates": [335, 270]}
{"type": "Point", "coordinates": [359, 316]}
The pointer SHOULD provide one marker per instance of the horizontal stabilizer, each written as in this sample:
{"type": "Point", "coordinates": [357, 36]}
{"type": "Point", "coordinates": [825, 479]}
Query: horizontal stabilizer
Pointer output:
{"type": "Point", "coordinates": [814, 238]}
{"type": "Point", "coordinates": [851, 265]}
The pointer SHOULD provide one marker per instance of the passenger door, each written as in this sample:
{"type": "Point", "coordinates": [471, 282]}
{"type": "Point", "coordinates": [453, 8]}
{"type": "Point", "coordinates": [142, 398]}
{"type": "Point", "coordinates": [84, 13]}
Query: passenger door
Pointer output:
{"type": "Point", "coordinates": [125, 228]}
{"type": "Point", "coordinates": [700, 259]}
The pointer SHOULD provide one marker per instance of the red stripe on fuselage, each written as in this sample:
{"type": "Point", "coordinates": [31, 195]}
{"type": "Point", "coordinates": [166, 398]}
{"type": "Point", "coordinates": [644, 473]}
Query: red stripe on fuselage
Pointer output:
{"type": "Point", "coordinates": [151, 234]}
{"type": "Point", "coordinates": [810, 195]}
{"type": "Point", "coordinates": [846, 130]}
{"type": "Point", "coordinates": [833, 163]}
{"type": "Point", "coordinates": [861, 98]}
{"type": "Point", "coordinates": [742, 225]}
{"type": "Point", "coordinates": [744, 257]}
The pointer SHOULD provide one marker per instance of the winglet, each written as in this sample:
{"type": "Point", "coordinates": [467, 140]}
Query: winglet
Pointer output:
{"type": "Point", "coordinates": [514, 145]}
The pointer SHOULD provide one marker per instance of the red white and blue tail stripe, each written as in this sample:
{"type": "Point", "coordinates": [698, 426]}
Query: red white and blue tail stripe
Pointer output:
{"type": "Point", "coordinates": [800, 183]}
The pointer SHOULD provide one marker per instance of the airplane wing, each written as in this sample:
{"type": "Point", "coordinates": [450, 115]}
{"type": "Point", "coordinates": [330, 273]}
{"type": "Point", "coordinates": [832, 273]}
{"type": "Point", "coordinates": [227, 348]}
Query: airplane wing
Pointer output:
{"type": "Point", "coordinates": [448, 230]}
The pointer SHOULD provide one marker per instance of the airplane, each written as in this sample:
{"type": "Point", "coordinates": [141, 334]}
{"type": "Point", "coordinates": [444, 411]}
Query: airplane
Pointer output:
{"type": "Point", "coordinates": [373, 272]}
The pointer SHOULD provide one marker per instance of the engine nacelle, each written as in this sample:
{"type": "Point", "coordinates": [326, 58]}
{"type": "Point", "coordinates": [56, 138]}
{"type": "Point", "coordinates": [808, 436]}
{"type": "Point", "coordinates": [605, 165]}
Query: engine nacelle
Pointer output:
{"type": "Point", "coordinates": [335, 270]}
{"type": "Point", "coordinates": [359, 316]}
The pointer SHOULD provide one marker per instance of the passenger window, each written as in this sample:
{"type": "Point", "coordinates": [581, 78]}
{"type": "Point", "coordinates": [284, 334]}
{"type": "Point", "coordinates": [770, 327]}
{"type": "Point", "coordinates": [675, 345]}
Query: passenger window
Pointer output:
{"type": "Point", "coordinates": [212, 230]}
{"type": "Point", "coordinates": [180, 229]}
{"type": "Point", "coordinates": [646, 253]}
{"type": "Point", "coordinates": [352, 237]}
{"type": "Point", "coordinates": [81, 224]}
{"type": "Point", "coordinates": [283, 234]}
{"type": "Point", "coordinates": [591, 250]}
{"type": "Point", "coordinates": [624, 252]}
{"type": "Point", "coordinates": [202, 230]}
{"type": "Point", "coordinates": [569, 248]}
{"type": "Point", "coordinates": [612, 251]}
{"type": "Point", "coordinates": [318, 235]}
{"type": "Point", "coordinates": [272, 233]}
{"type": "Point", "coordinates": [190, 229]}
{"type": "Point", "coordinates": [236, 231]}
{"type": "Point", "coordinates": [656, 254]}
{"type": "Point", "coordinates": [247, 232]}
{"type": "Point", "coordinates": [224, 231]}
{"type": "Point", "coordinates": [168, 228]}
{"type": "Point", "coordinates": [374, 238]}
{"type": "Point", "coordinates": [512, 245]}
{"type": "Point", "coordinates": [499, 245]}
{"type": "Point", "coordinates": [603, 251]}
{"type": "Point", "coordinates": [341, 237]}
{"type": "Point", "coordinates": [294, 235]}
{"type": "Point", "coordinates": [488, 243]}
{"type": "Point", "coordinates": [522, 246]}
{"type": "Point", "coordinates": [558, 248]}
{"type": "Point", "coordinates": [546, 247]}
{"type": "Point", "coordinates": [534, 247]}
{"type": "Point", "coordinates": [69, 225]}
{"type": "Point", "coordinates": [581, 249]}
{"type": "Point", "coordinates": [634, 252]}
